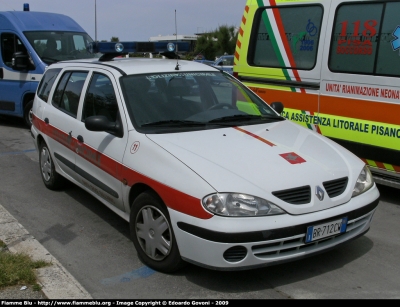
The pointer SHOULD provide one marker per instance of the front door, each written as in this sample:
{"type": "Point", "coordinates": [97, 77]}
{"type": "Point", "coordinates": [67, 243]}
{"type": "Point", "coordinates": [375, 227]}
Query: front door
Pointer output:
{"type": "Point", "coordinates": [99, 154]}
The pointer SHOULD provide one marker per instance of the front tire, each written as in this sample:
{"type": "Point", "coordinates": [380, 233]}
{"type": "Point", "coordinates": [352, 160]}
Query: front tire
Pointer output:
{"type": "Point", "coordinates": [153, 235]}
{"type": "Point", "coordinates": [51, 179]}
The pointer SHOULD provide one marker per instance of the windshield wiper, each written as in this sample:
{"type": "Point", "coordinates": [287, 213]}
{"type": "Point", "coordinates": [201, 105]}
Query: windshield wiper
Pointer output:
{"type": "Point", "coordinates": [174, 123]}
{"type": "Point", "coordinates": [241, 117]}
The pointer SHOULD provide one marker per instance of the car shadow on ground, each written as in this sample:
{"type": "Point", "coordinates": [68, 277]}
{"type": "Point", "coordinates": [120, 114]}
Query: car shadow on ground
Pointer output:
{"type": "Point", "coordinates": [97, 207]}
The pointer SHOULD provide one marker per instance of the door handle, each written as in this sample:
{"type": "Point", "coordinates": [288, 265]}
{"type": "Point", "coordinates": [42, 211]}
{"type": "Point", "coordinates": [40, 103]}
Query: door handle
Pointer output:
{"type": "Point", "coordinates": [80, 138]}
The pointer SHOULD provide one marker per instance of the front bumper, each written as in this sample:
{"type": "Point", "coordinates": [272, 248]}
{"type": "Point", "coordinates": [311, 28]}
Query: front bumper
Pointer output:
{"type": "Point", "coordinates": [224, 243]}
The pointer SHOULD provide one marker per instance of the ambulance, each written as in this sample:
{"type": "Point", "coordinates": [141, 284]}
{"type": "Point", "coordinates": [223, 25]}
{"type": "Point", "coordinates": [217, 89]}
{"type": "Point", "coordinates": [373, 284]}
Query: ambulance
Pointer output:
{"type": "Point", "coordinates": [335, 65]}
{"type": "Point", "coordinates": [29, 42]}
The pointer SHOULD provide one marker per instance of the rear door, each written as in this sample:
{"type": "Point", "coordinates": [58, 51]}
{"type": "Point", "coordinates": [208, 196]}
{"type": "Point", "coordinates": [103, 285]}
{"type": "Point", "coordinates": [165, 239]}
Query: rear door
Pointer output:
{"type": "Point", "coordinates": [60, 115]}
{"type": "Point", "coordinates": [360, 92]}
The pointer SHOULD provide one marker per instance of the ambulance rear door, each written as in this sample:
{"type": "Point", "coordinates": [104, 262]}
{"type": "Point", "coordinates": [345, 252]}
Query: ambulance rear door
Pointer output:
{"type": "Point", "coordinates": [360, 89]}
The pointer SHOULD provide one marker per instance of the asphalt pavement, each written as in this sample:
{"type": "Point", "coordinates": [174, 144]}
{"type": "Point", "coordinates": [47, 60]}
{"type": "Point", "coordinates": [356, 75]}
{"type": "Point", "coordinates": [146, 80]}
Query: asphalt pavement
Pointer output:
{"type": "Point", "coordinates": [56, 281]}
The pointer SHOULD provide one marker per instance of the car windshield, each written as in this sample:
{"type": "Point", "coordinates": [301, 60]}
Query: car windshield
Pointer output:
{"type": "Point", "coordinates": [59, 46]}
{"type": "Point", "coordinates": [172, 102]}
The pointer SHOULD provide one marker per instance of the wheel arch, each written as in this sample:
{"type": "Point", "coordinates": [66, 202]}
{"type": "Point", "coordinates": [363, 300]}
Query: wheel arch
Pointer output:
{"type": "Point", "coordinates": [27, 97]}
{"type": "Point", "coordinates": [39, 140]}
{"type": "Point", "coordinates": [140, 188]}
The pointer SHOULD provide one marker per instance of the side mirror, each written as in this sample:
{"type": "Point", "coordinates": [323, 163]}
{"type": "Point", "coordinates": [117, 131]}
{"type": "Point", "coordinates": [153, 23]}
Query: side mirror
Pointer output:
{"type": "Point", "coordinates": [101, 123]}
{"type": "Point", "coordinates": [20, 61]}
{"type": "Point", "coordinates": [277, 106]}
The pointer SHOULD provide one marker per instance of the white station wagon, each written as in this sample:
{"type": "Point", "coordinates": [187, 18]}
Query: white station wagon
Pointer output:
{"type": "Point", "coordinates": [203, 170]}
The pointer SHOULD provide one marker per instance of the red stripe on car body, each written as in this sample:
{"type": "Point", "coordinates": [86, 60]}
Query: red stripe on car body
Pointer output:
{"type": "Point", "coordinates": [172, 198]}
{"type": "Point", "coordinates": [255, 136]}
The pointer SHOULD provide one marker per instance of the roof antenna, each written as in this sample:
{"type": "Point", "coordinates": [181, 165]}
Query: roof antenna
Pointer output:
{"type": "Point", "coordinates": [176, 35]}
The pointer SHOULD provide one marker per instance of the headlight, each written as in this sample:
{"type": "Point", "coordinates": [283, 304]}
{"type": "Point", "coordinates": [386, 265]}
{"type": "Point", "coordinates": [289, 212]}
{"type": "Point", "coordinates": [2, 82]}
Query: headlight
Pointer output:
{"type": "Point", "coordinates": [364, 182]}
{"type": "Point", "coordinates": [234, 204]}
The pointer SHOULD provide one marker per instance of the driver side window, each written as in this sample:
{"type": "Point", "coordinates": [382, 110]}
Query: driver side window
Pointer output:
{"type": "Point", "coordinates": [100, 99]}
{"type": "Point", "coordinates": [10, 43]}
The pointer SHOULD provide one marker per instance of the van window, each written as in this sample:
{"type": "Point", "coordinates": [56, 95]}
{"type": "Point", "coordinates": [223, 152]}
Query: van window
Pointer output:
{"type": "Point", "coordinates": [389, 43]}
{"type": "Point", "coordinates": [68, 92]}
{"type": "Point", "coordinates": [10, 43]}
{"type": "Point", "coordinates": [355, 35]}
{"type": "Point", "coordinates": [366, 39]}
{"type": "Point", "coordinates": [47, 82]}
{"type": "Point", "coordinates": [300, 26]}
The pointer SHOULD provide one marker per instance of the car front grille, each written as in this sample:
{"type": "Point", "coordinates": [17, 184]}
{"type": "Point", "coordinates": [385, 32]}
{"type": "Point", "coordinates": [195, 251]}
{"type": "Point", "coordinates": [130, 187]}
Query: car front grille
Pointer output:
{"type": "Point", "coordinates": [295, 245]}
{"type": "Point", "coordinates": [302, 195]}
{"type": "Point", "coordinates": [335, 187]}
{"type": "Point", "coordinates": [296, 196]}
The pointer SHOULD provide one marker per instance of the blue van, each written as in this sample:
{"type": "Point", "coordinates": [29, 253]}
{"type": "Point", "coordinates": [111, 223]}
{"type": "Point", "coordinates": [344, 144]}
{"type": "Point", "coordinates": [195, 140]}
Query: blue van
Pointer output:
{"type": "Point", "coordinates": [29, 42]}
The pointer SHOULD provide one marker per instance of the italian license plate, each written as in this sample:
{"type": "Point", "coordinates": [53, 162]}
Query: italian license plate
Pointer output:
{"type": "Point", "coordinates": [328, 229]}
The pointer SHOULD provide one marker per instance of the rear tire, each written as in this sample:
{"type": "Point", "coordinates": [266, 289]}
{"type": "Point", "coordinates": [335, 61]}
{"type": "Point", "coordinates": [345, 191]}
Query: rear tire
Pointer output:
{"type": "Point", "coordinates": [152, 234]}
{"type": "Point", "coordinates": [51, 179]}
{"type": "Point", "coordinates": [28, 114]}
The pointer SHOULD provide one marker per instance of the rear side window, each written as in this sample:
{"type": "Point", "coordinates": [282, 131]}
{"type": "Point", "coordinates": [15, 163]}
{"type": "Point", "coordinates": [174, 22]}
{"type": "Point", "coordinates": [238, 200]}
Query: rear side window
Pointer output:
{"type": "Point", "coordinates": [286, 37]}
{"type": "Point", "coordinates": [68, 92]}
{"type": "Point", "coordinates": [47, 83]}
{"type": "Point", "coordinates": [366, 39]}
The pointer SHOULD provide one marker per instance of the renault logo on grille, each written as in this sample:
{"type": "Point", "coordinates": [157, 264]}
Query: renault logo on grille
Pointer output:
{"type": "Point", "coordinates": [319, 192]}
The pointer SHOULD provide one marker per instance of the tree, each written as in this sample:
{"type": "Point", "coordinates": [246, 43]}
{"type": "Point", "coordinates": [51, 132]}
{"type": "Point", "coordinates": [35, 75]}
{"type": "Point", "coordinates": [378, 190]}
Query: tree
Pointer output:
{"type": "Point", "coordinates": [222, 40]}
{"type": "Point", "coordinates": [226, 39]}
{"type": "Point", "coordinates": [206, 46]}
{"type": "Point", "coordinates": [114, 39]}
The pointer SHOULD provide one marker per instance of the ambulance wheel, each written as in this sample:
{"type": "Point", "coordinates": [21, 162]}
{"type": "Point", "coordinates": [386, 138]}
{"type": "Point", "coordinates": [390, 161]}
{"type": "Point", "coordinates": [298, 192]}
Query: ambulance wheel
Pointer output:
{"type": "Point", "coordinates": [28, 114]}
{"type": "Point", "coordinates": [152, 234]}
{"type": "Point", "coordinates": [52, 180]}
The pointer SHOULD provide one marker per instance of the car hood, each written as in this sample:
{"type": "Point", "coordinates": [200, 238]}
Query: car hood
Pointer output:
{"type": "Point", "coordinates": [261, 160]}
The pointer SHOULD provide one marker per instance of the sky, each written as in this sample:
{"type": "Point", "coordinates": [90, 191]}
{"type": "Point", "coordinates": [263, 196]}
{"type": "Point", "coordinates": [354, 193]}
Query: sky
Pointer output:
{"type": "Point", "coordinates": [138, 20]}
